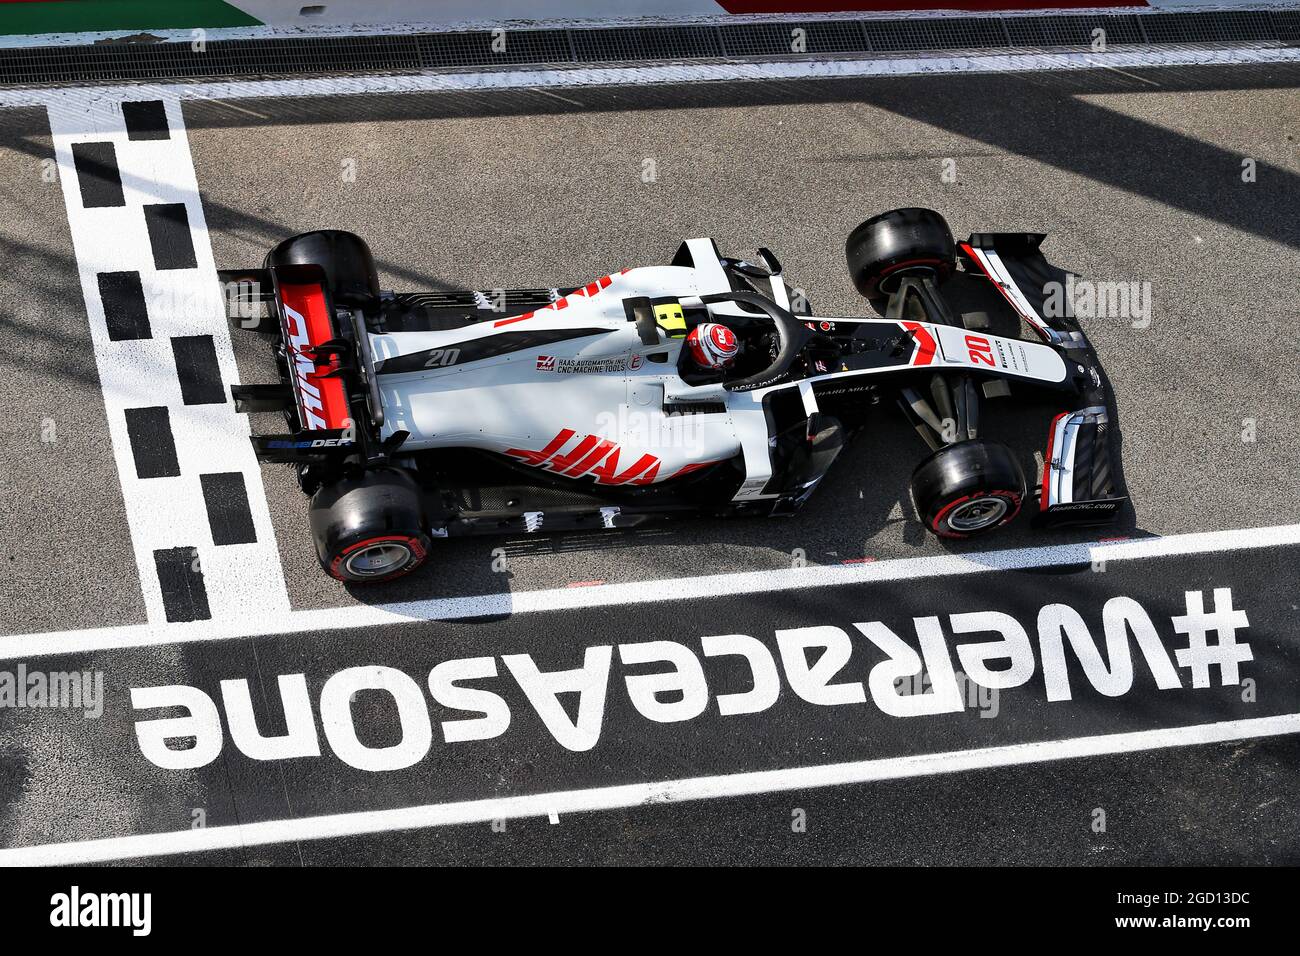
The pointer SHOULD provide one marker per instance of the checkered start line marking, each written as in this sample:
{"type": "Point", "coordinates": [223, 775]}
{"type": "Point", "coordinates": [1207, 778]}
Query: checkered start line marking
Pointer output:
{"type": "Point", "coordinates": [199, 523]}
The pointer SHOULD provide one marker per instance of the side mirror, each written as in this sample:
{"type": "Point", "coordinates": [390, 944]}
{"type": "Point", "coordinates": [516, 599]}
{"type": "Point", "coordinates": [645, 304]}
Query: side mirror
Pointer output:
{"type": "Point", "coordinates": [769, 259]}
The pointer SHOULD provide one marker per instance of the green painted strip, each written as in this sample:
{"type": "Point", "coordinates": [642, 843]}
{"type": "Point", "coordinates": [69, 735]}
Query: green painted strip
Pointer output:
{"type": "Point", "coordinates": [80, 16]}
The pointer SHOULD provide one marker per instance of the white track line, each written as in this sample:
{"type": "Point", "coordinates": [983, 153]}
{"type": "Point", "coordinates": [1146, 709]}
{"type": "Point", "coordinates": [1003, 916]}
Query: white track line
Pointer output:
{"type": "Point", "coordinates": [636, 795]}
{"type": "Point", "coordinates": [642, 592]}
{"type": "Point", "coordinates": [242, 580]}
{"type": "Point", "coordinates": [828, 68]}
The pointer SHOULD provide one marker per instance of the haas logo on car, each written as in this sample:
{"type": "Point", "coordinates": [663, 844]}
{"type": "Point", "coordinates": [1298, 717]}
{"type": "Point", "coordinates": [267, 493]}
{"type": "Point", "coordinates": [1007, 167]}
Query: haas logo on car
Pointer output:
{"type": "Point", "coordinates": [321, 400]}
{"type": "Point", "coordinates": [309, 397]}
{"type": "Point", "coordinates": [546, 363]}
{"type": "Point", "coordinates": [598, 457]}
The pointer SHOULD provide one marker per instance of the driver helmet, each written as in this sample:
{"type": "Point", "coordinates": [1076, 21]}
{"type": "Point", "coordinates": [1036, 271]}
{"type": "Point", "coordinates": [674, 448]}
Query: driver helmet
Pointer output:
{"type": "Point", "coordinates": [712, 345]}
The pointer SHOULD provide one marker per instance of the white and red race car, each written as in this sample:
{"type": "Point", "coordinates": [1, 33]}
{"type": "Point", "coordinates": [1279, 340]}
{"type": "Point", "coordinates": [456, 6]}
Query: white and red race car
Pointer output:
{"type": "Point", "coordinates": [415, 416]}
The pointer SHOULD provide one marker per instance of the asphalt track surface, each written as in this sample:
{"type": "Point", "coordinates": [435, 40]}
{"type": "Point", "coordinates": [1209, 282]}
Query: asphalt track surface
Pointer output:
{"type": "Point", "coordinates": [1135, 176]}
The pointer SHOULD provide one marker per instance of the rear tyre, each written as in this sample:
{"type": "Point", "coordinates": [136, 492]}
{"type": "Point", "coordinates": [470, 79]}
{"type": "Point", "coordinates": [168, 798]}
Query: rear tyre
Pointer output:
{"type": "Point", "coordinates": [901, 242]}
{"type": "Point", "coordinates": [370, 528]}
{"type": "Point", "coordinates": [969, 488]}
{"type": "Point", "coordinates": [349, 267]}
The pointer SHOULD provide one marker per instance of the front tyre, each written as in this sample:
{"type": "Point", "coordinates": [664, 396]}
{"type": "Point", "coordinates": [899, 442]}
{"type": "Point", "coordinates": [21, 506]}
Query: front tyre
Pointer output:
{"type": "Point", "coordinates": [370, 528]}
{"type": "Point", "coordinates": [901, 242]}
{"type": "Point", "coordinates": [968, 489]}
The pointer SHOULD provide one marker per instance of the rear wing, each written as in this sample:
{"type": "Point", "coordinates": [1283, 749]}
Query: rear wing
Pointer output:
{"type": "Point", "coordinates": [304, 447]}
{"type": "Point", "coordinates": [1082, 481]}
{"type": "Point", "coordinates": [326, 390]}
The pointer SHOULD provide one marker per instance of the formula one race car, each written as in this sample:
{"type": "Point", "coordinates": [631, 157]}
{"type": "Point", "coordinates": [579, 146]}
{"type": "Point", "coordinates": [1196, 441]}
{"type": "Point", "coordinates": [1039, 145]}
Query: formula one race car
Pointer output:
{"type": "Point", "coordinates": [702, 387]}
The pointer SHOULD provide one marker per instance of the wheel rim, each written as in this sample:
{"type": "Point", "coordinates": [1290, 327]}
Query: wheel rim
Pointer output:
{"type": "Point", "coordinates": [978, 514]}
{"type": "Point", "coordinates": [377, 559]}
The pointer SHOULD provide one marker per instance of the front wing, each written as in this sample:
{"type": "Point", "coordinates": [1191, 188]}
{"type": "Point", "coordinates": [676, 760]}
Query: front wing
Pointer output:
{"type": "Point", "coordinates": [1081, 483]}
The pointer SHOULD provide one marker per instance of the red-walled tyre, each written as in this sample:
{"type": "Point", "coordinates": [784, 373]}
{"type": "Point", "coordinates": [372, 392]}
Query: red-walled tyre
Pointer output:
{"type": "Point", "coordinates": [895, 244]}
{"type": "Point", "coordinates": [968, 489]}
{"type": "Point", "coordinates": [379, 558]}
{"type": "Point", "coordinates": [370, 528]}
